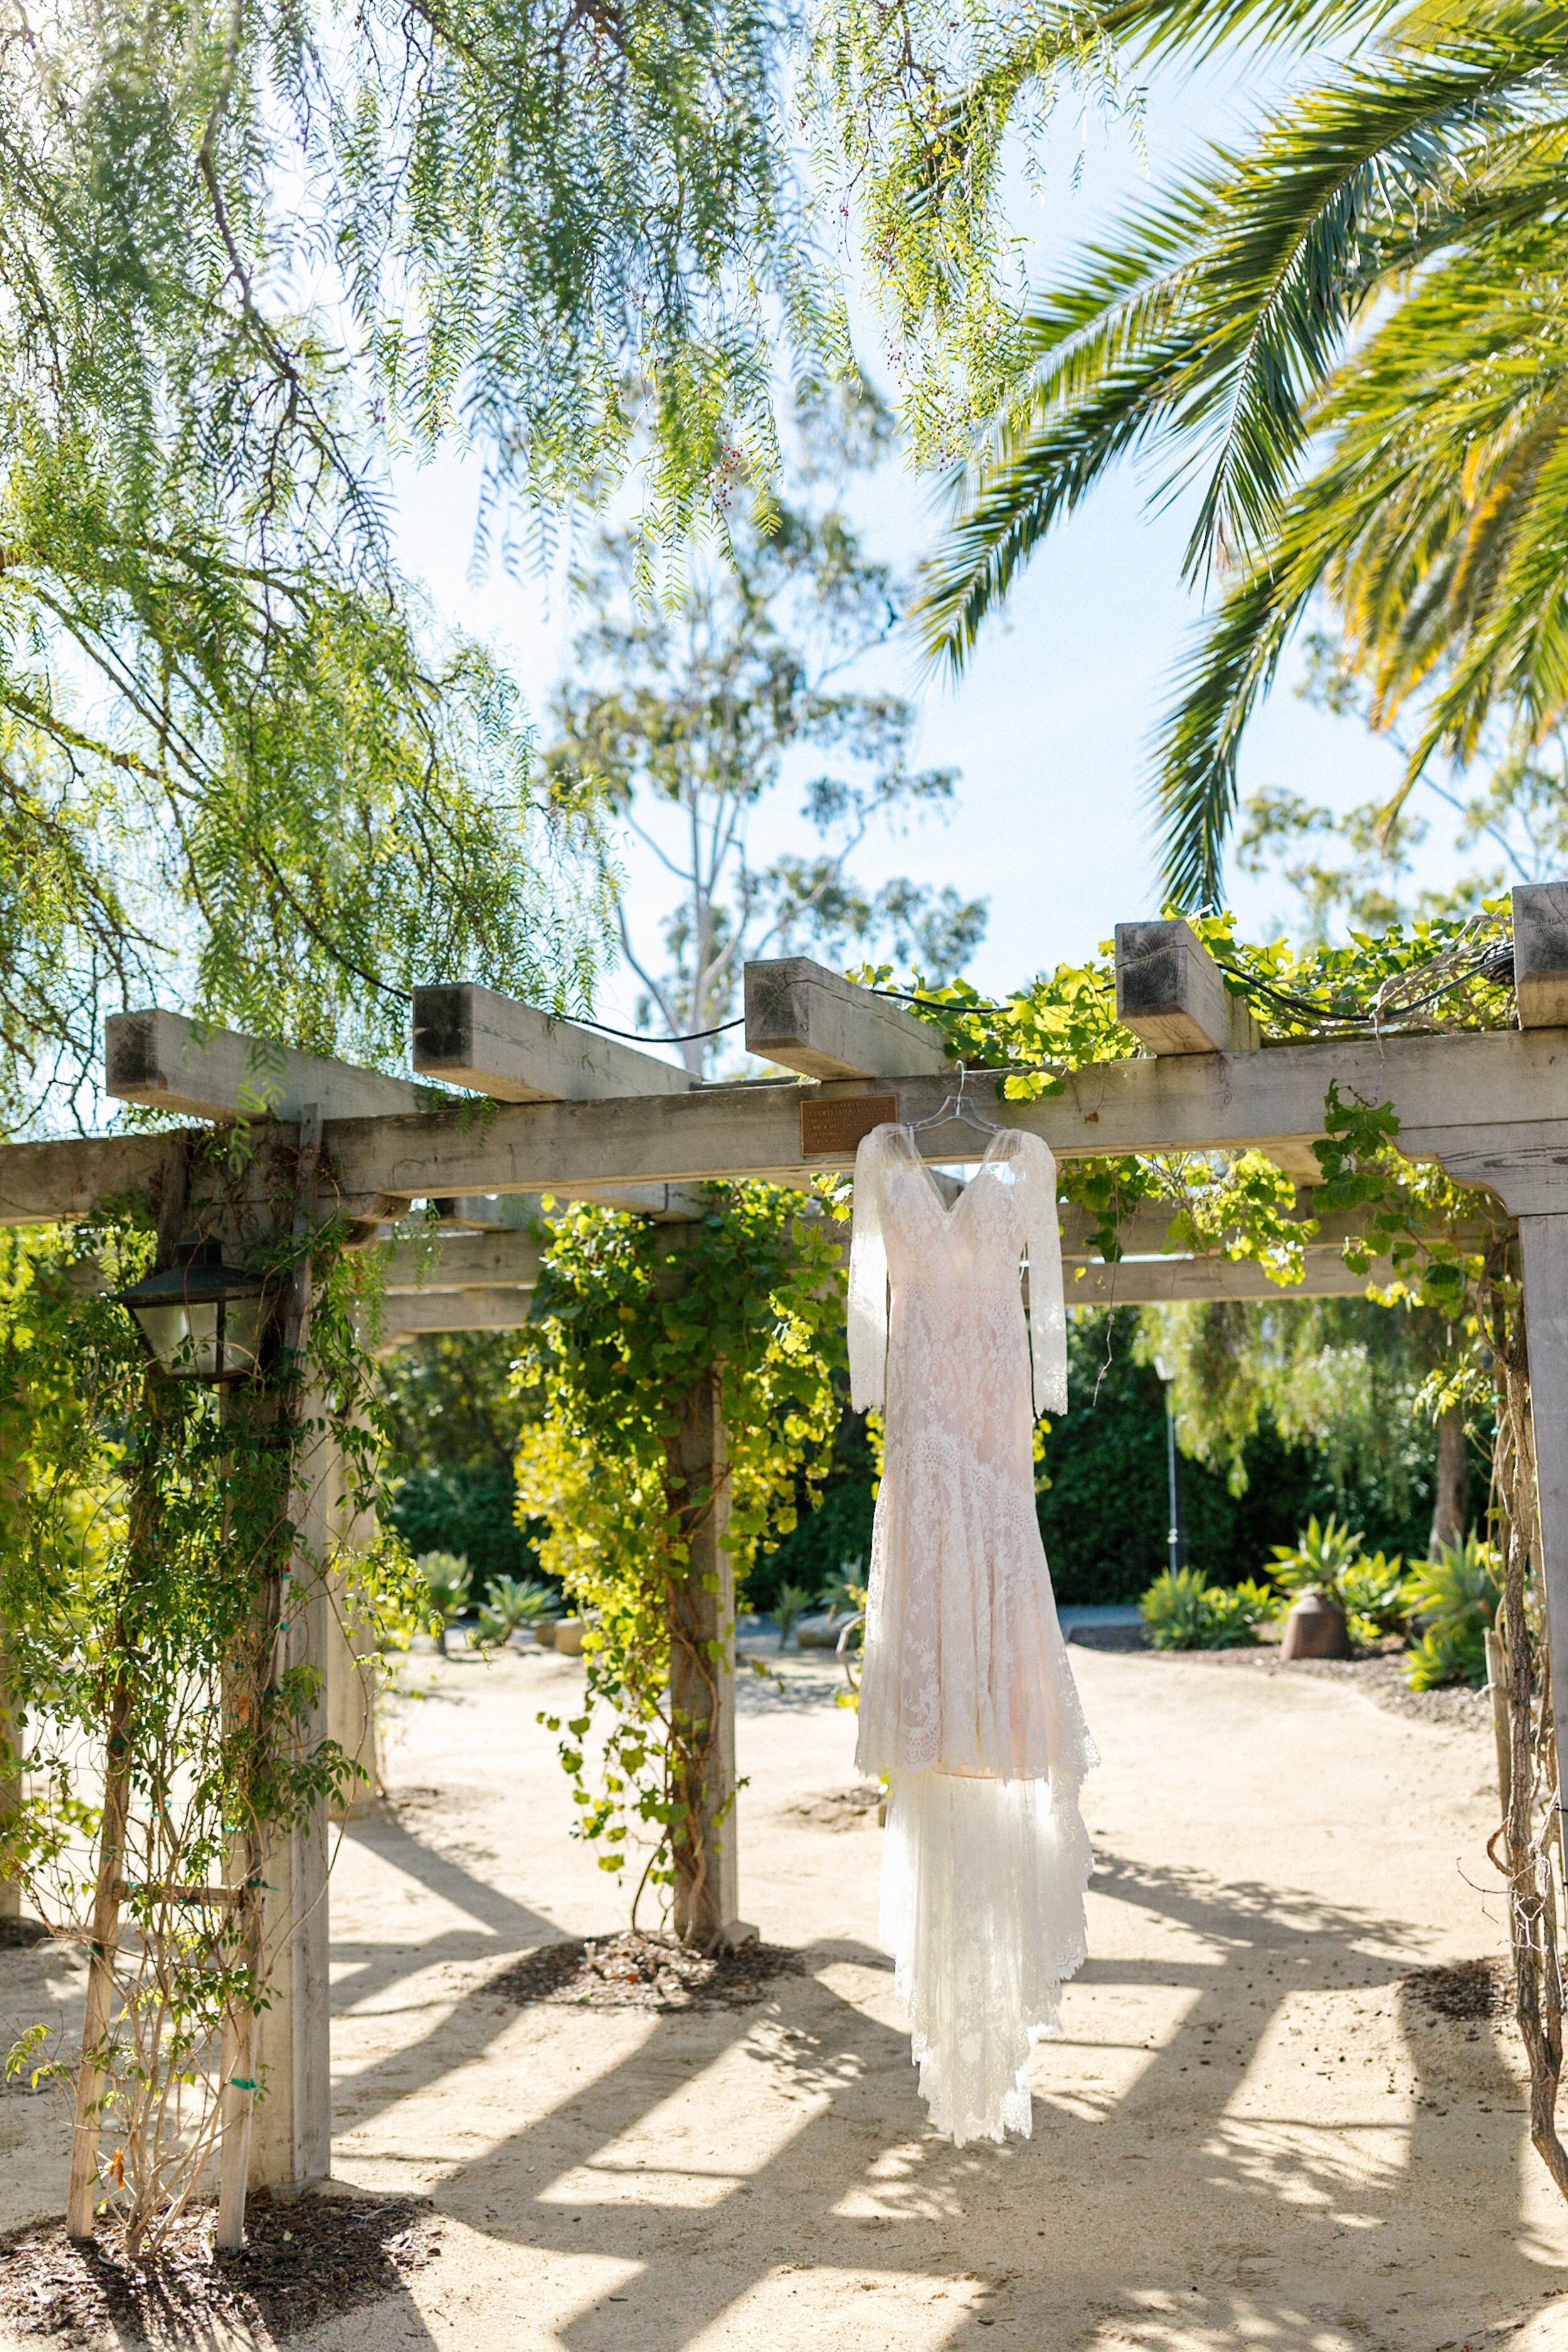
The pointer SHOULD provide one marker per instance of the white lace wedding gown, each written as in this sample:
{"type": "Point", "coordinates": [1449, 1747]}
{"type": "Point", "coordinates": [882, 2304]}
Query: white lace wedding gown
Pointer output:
{"type": "Point", "coordinates": [967, 1702]}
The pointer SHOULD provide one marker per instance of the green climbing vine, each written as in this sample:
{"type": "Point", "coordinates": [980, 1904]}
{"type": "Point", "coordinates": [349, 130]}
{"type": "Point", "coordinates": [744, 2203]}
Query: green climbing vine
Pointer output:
{"type": "Point", "coordinates": [631, 1319]}
{"type": "Point", "coordinates": [159, 1734]}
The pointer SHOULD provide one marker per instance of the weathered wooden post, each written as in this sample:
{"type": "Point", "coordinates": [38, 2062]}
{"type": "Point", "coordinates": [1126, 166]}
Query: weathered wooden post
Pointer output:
{"type": "Point", "coordinates": [1531, 1177]}
{"type": "Point", "coordinates": [13, 1738]}
{"type": "Point", "coordinates": [282, 2138]}
{"type": "Point", "coordinates": [471, 1036]}
{"type": "Point", "coordinates": [1543, 1253]}
{"type": "Point", "coordinates": [290, 2129]}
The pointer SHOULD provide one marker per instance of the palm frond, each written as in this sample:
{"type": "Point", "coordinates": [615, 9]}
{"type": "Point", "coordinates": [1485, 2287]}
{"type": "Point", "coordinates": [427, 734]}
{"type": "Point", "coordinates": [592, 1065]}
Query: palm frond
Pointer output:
{"type": "Point", "coordinates": [1374, 277]}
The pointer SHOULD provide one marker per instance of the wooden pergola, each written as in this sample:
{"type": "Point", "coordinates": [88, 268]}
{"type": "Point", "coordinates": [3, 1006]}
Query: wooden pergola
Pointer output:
{"type": "Point", "coordinates": [575, 1116]}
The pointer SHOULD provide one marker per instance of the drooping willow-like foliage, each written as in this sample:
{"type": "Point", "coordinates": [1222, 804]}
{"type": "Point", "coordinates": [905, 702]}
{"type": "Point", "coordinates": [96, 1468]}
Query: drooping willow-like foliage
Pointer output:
{"type": "Point", "coordinates": [238, 762]}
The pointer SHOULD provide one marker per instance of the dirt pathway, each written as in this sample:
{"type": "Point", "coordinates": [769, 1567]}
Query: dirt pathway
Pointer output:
{"type": "Point", "coordinates": [1254, 2133]}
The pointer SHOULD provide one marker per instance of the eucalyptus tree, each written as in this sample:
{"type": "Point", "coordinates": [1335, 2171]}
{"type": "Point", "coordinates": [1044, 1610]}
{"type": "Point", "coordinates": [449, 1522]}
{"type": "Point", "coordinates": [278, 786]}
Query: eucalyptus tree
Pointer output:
{"type": "Point", "coordinates": [1349, 335]}
{"type": "Point", "coordinates": [692, 721]}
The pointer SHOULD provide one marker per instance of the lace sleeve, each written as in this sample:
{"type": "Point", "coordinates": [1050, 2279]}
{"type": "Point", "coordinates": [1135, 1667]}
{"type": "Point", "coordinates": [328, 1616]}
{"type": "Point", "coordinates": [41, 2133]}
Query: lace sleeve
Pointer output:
{"type": "Point", "coordinates": [867, 1282]}
{"type": "Point", "coordinates": [1047, 1313]}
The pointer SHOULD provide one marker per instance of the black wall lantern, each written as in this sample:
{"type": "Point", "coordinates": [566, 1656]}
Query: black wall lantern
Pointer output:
{"type": "Point", "coordinates": [202, 1320]}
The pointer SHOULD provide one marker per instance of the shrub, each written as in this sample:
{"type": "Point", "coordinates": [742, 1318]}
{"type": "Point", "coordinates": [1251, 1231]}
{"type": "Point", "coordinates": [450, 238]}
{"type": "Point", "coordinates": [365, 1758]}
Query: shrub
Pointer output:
{"type": "Point", "coordinates": [1453, 1598]}
{"type": "Point", "coordinates": [512, 1602]}
{"type": "Point", "coordinates": [1447, 1654]}
{"type": "Point", "coordinates": [1184, 1611]}
{"type": "Point", "coordinates": [1370, 1591]}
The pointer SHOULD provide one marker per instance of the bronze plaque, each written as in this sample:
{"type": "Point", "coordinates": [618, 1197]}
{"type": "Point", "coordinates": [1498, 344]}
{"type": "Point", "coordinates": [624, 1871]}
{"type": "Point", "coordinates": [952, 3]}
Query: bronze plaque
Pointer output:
{"type": "Point", "coordinates": [832, 1127]}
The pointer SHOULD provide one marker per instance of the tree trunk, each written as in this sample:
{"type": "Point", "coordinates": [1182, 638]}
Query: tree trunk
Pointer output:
{"type": "Point", "coordinates": [702, 1680]}
{"type": "Point", "coordinates": [1449, 1510]}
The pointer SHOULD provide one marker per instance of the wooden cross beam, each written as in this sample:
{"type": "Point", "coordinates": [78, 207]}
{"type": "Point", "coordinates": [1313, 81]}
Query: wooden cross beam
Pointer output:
{"type": "Point", "coordinates": [446, 1261]}
{"type": "Point", "coordinates": [1202, 1084]}
{"type": "Point", "coordinates": [196, 1072]}
{"type": "Point", "coordinates": [1146, 1281]}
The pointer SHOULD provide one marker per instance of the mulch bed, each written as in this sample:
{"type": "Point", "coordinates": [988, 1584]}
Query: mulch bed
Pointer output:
{"type": "Point", "coordinates": [1468, 1991]}
{"type": "Point", "coordinates": [636, 1972]}
{"type": "Point", "coordinates": [311, 2258]}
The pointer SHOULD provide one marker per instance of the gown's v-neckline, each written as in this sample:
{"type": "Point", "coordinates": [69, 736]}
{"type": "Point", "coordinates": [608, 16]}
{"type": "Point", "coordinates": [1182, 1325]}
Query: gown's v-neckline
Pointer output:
{"type": "Point", "coordinates": [949, 1208]}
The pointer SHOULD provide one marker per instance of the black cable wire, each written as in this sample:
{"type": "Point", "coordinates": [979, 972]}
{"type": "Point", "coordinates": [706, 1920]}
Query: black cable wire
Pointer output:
{"type": "Point", "coordinates": [637, 1038]}
{"type": "Point", "coordinates": [913, 996]}
{"type": "Point", "coordinates": [1357, 1016]}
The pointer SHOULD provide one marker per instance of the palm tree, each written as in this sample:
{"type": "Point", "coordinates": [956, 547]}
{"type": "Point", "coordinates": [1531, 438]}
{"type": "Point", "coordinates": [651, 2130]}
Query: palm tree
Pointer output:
{"type": "Point", "coordinates": [1355, 336]}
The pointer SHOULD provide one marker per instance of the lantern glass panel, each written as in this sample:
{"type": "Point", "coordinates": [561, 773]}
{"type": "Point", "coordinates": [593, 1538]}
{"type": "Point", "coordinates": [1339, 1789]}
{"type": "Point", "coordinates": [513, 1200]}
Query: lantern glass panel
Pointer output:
{"type": "Point", "coordinates": [240, 1326]}
{"type": "Point", "coordinates": [167, 1332]}
{"type": "Point", "coordinates": [205, 1339]}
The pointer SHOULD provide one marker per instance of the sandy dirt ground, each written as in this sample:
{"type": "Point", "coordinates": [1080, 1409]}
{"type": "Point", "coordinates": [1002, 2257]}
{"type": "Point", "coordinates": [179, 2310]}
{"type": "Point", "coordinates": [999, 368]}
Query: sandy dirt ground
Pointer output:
{"type": "Point", "coordinates": [1252, 2135]}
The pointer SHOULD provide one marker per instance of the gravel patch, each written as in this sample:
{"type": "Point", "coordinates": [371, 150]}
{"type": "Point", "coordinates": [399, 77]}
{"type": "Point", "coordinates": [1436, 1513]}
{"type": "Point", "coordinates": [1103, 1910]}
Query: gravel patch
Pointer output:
{"type": "Point", "coordinates": [1468, 1992]}
{"type": "Point", "coordinates": [650, 1972]}
{"type": "Point", "coordinates": [315, 2257]}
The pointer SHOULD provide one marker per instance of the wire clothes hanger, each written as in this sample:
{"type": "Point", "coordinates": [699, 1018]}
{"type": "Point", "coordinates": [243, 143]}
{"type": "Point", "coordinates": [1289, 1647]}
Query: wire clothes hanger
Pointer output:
{"type": "Point", "coordinates": [956, 1108]}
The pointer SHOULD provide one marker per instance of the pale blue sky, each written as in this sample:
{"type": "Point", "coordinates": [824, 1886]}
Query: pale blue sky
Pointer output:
{"type": "Point", "coordinates": [1051, 726]}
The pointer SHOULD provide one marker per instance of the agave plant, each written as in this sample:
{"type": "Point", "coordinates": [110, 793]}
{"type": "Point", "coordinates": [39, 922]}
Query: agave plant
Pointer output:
{"type": "Point", "coordinates": [512, 1603]}
{"type": "Point", "coordinates": [1454, 1597]}
{"type": "Point", "coordinates": [1374, 1592]}
{"type": "Point", "coordinates": [1183, 1611]}
{"type": "Point", "coordinates": [1319, 1561]}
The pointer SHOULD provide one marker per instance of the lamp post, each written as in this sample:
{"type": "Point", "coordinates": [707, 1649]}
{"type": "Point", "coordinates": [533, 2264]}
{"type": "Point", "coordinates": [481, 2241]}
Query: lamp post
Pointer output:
{"type": "Point", "coordinates": [201, 1320]}
{"type": "Point", "coordinates": [1176, 1539]}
